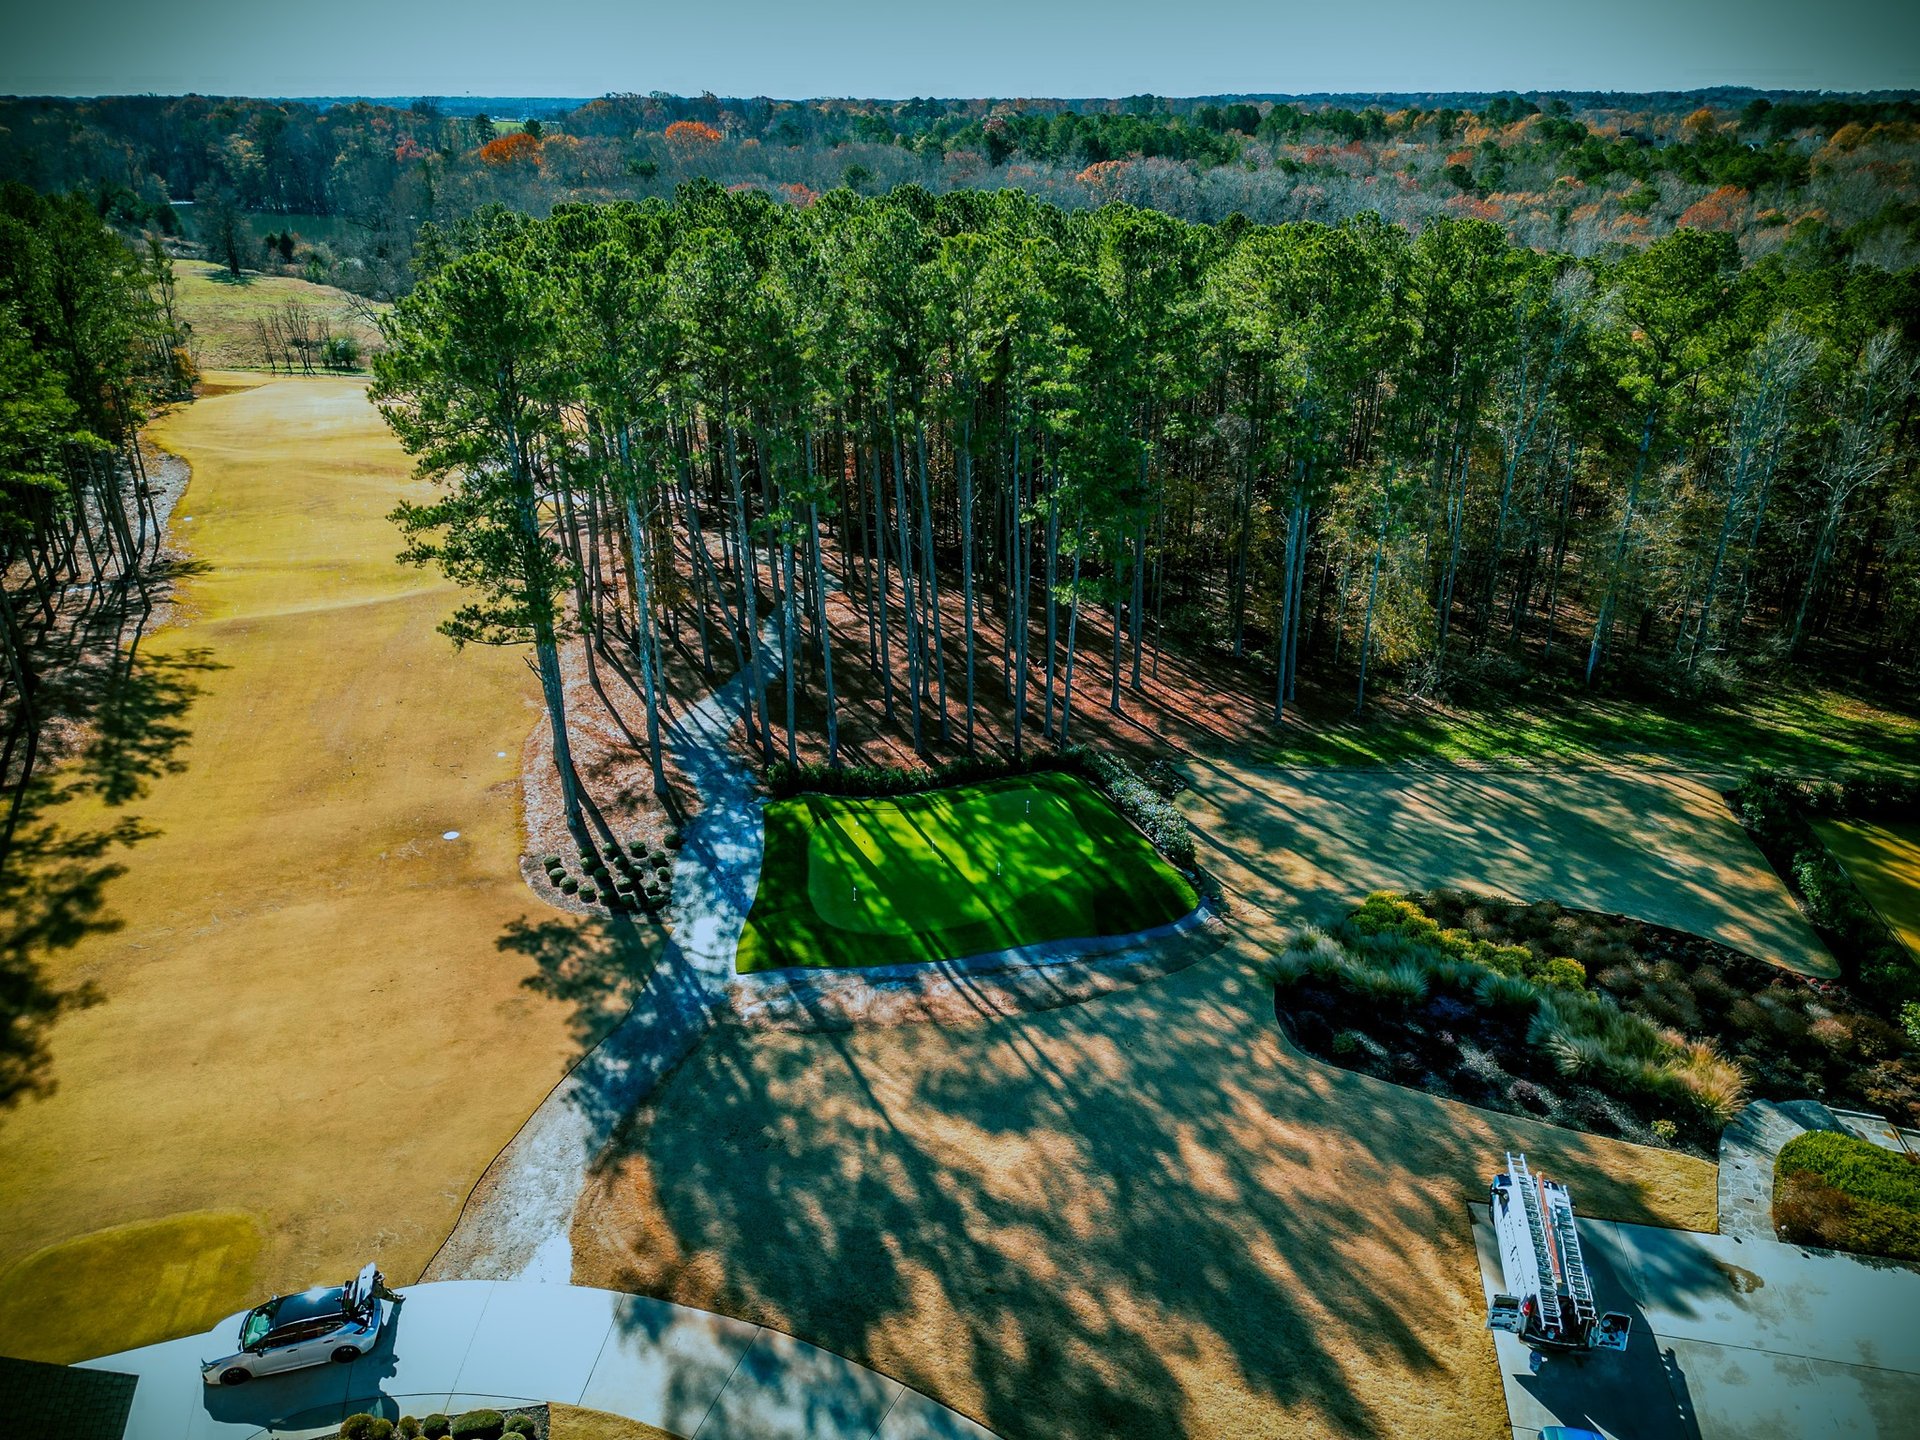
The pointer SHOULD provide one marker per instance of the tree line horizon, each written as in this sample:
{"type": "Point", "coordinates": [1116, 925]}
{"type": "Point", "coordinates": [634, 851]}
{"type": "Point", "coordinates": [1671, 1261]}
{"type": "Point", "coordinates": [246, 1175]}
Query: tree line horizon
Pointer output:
{"type": "Point", "coordinates": [978, 419]}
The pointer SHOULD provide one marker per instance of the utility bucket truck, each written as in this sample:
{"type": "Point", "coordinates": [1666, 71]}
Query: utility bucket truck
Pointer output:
{"type": "Point", "coordinates": [1549, 1297]}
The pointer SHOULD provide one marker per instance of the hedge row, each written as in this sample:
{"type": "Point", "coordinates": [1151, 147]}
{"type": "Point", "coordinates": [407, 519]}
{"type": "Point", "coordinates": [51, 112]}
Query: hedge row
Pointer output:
{"type": "Point", "coordinates": [1777, 811]}
{"type": "Point", "coordinates": [1846, 1193]}
{"type": "Point", "coordinates": [1132, 796]}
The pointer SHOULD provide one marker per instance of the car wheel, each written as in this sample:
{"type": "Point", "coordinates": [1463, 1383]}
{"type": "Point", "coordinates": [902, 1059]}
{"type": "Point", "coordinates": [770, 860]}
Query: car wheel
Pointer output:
{"type": "Point", "coordinates": [345, 1355]}
{"type": "Point", "coordinates": [235, 1375]}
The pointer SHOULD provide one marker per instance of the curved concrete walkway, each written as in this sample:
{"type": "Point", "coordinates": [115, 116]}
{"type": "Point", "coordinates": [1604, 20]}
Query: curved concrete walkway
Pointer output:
{"type": "Point", "coordinates": [515, 1225]}
{"type": "Point", "coordinates": [468, 1344]}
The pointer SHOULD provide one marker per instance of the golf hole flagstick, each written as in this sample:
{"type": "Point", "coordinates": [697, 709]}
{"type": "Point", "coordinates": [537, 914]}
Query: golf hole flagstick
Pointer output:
{"type": "Point", "coordinates": [1548, 1301]}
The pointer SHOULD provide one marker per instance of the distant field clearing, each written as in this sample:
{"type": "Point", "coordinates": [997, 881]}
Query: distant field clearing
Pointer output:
{"type": "Point", "coordinates": [1884, 861]}
{"type": "Point", "coordinates": [224, 312]}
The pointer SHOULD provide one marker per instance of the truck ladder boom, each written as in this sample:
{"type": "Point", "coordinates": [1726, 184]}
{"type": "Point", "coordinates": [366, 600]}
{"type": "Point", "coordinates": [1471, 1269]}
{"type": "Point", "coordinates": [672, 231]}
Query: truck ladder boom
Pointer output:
{"type": "Point", "coordinates": [1573, 1262]}
{"type": "Point", "coordinates": [1522, 1182]}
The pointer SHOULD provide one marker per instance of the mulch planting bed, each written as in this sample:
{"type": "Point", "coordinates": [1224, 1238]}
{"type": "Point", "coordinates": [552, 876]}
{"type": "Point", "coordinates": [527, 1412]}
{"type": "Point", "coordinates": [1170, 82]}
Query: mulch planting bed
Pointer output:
{"type": "Point", "coordinates": [1794, 1037]}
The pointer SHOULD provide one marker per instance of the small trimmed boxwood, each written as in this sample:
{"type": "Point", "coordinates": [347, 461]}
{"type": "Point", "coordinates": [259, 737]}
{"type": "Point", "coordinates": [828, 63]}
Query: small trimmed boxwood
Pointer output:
{"type": "Point", "coordinates": [435, 1426]}
{"type": "Point", "coordinates": [479, 1425]}
{"type": "Point", "coordinates": [549, 860]}
{"type": "Point", "coordinates": [638, 847]}
{"type": "Point", "coordinates": [570, 884]}
{"type": "Point", "coordinates": [522, 1425]}
{"type": "Point", "coordinates": [589, 894]}
{"type": "Point", "coordinates": [672, 840]}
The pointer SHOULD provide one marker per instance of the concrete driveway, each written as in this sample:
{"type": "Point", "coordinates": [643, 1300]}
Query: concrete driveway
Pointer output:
{"type": "Point", "coordinates": [1732, 1340]}
{"type": "Point", "coordinates": [468, 1344]}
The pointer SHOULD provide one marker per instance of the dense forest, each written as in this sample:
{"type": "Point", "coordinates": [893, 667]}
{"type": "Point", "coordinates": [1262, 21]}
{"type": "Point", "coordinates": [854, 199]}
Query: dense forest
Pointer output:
{"type": "Point", "coordinates": [991, 428]}
{"type": "Point", "coordinates": [337, 191]}
{"type": "Point", "coordinates": [967, 414]}
{"type": "Point", "coordinates": [89, 345]}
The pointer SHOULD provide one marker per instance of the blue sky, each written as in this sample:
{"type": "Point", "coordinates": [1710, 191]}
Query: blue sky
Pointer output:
{"type": "Point", "coordinates": [793, 48]}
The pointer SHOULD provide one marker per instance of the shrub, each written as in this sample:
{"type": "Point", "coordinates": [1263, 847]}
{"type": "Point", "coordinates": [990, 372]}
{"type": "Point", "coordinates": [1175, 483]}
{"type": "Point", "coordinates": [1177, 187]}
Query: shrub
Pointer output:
{"type": "Point", "coordinates": [479, 1425]}
{"type": "Point", "coordinates": [1839, 1191]}
{"type": "Point", "coordinates": [1146, 807]}
{"type": "Point", "coordinates": [366, 1427]}
{"type": "Point", "coordinates": [435, 1426]}
{"type": "Point", "coordinates": [409, 1428]}
{"type": "Point", "coordinates": [1561, 973]}
{"type": "Point", "coordinates": [589, 894]}
{"type": "Point", "coordinates": [1345, 1043]}
{"type": "Point", "coordinates": [672, 840]}
{"type": "Point", "coordinates": [522, 1425]}
{"type": "Point", "coordinates": [1665, 1131]}
{"type": "Point", "coordinates": [1528, 1096]}
{"type": "Point", "coordinates": [637, 848]}
{"type": "Point", "coordinates": [1910, 1022]}
{"type": "Point", "coordinates": [570, 883]}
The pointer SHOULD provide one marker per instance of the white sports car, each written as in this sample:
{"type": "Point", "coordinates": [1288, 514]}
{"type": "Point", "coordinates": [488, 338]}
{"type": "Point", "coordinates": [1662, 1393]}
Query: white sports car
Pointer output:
{"type": "Point", "coordinates": [330, 1323]}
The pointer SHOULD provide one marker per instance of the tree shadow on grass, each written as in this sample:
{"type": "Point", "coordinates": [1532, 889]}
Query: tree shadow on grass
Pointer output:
{"type": "Point", "coordinates": [1140, 1216]}
{"type": "Point", "coordinates": [54, 877]}
{"type": "Point", "coordinates": [598, 965]}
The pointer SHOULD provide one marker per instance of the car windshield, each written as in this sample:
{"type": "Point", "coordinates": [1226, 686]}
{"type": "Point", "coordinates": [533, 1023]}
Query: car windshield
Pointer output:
{"type": "Point", "coordinates": [254, 1328]}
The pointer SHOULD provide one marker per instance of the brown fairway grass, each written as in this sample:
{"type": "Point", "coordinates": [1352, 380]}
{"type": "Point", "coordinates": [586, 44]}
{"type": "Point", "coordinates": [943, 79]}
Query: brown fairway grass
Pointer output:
{"type": "Point", "coordinates": [306, 1017]}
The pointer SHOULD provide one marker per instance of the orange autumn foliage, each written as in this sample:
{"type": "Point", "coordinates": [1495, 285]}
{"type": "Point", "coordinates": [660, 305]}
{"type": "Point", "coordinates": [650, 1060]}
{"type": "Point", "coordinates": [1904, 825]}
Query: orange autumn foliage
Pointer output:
{"type": "Point", "coordinates": [692, 132]}
{"type": "Point", "coordinates": [1722, 210]}
{"type": "Point", "coordinates": [511, 149]}
{"type": "Point", "coordinates": [800, 195]}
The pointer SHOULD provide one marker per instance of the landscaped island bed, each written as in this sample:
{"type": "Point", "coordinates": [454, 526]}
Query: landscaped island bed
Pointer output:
{"type": "Point", "coordinates": [949, 873]}
{"type": "Point", "coordinates": [1595, 1022]}
{"type": "Point", "coordinates": [1884, 861]}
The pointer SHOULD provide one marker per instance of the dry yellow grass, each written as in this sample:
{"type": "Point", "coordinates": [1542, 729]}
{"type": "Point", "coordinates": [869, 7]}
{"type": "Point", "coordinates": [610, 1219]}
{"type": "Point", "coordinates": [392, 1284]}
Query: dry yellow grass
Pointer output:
{"type": "Point", "coordinates": [307, 1019]}
{"type": "Point", "coordinates": [222, 311]}
{"type": "Point", "coordinates": [1146, 1215]}
{"type": "Point", "coordinates": [569, 1422]}
{"type": "Point", "coordinates": [1660, 847]}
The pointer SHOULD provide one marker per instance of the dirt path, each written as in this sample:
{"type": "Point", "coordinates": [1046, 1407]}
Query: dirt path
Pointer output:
{"type": "Point", "coordinates": [311, 1045]}
{"type": "Point", "coordinates": [1658, 846]}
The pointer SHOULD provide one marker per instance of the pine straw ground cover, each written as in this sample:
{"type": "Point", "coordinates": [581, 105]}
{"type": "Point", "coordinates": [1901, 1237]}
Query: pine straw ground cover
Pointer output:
{"type": "Point", "coordinates": [1594, 1022]}
{"type": "Point", "coordinates": [1845, 1193]}
{"type": "Point", "coordinates": [1141, 1216]}
{"type": "Point", "coordinates": [950, 873]}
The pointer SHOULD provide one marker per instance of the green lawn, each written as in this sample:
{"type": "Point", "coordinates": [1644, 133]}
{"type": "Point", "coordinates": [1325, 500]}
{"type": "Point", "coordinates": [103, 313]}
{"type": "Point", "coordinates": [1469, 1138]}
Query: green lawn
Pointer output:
{"type": "Point", "coordinates": [949, 873]}
{"type": "Point", "coordinates": [1809, 729]}
{"type": "Point", "coordinates": [1884, 861]}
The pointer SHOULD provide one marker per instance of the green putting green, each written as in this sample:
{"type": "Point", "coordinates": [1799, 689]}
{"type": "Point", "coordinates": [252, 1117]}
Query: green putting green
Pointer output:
{"type": "Point", "coordinates": [936, 876]}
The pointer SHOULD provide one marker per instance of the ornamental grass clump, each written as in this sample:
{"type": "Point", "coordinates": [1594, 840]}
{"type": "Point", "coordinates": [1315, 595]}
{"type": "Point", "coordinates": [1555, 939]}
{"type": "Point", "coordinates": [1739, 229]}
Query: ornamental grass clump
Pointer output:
{"type": "Point", "coordinates": [1506, 992]}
